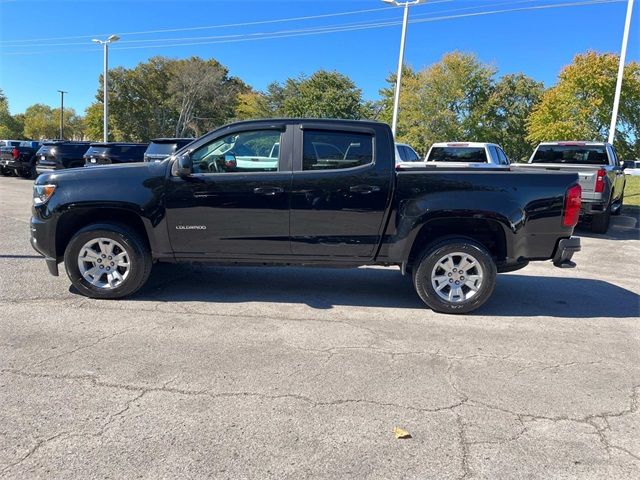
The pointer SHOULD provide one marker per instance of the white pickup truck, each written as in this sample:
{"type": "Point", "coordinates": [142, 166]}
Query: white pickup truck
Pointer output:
{"type": "Point", "coordinates": [468, 154]}
{"type": "Point", "coordinates": [600, 174]}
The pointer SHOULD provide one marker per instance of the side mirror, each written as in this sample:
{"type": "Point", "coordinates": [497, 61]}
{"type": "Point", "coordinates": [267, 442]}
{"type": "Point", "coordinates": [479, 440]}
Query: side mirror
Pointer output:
{"type": "Point", "coordinates": [184, 165]}
{"type": "Point", "coordinates": [230, 162]}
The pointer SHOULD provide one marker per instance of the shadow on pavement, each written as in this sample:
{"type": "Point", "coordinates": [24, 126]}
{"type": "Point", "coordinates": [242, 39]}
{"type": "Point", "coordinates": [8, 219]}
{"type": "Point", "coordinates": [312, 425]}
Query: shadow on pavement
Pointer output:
{"type": "Point", "coordinates": [623, 227]}
{"type": "Point", "coordinates": [515, 295]}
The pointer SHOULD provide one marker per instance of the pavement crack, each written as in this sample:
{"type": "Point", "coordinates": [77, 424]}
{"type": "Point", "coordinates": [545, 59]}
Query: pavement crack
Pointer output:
{"type": "Point", "coordinates": [32, 450]}
{"type": "Point", "coordinates": [82, 347]}
{"type": "Point", "coordinates": [464, 446]}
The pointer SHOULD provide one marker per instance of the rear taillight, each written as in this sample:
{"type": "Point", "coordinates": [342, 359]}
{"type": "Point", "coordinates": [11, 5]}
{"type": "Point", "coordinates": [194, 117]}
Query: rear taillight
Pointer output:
{"type": "Point", "coordinates": [15, 153]}
{"type": "Point", "coordinates": [572, 204]}
{"type": "Point", "coordinates": [600, 176]}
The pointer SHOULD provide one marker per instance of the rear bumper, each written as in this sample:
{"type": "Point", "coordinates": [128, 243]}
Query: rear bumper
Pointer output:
{"type": "Point", "coordinates": [564, 252]}
{"type": "Point", "coordinates": [590, 207]}
{"type": "Point", "coordinates": [13, 164]}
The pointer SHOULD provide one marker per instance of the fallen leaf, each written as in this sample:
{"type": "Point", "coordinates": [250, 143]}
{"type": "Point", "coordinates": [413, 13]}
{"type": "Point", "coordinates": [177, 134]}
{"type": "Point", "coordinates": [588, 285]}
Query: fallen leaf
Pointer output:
{"type": "Point", "coordinates": [400, 433]}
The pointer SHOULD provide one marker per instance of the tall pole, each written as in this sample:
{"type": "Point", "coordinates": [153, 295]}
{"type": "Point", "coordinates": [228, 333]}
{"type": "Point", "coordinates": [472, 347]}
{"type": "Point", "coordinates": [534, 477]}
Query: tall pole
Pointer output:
{"type": "Point", "coordinates": [623, 54]}
{"type": "Point", "coordinates": [396, 99]}
{"type": "Point", "coordinates": [62, 114]}
{"type": "Point", "coordinates": [105, 83]}
{"type": "Point", "coordinates": [105, 125]}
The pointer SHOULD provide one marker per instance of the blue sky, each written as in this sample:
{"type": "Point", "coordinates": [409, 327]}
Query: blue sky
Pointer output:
{"type": "Point", "coordinates": [55, 50]}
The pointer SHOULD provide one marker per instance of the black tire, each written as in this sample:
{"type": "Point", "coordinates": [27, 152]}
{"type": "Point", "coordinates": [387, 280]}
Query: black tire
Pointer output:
{"type": "Point", "coordinates": [27, 173]}
{"type": "Point", "coordinates": [600, 222]}
{"type": "Point", "coordinates": [426, 264]}
{"type": "Point", "coordinates": [618, 210]}
{"type": "Point", "coordinates": [136, 249]}
{"type": "Point", "coordinates": [6, 172]}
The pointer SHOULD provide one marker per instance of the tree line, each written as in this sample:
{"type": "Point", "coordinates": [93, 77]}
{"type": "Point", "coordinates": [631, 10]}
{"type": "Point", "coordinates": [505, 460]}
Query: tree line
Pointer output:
{"type": "Point", "coordinates": [459, 98]}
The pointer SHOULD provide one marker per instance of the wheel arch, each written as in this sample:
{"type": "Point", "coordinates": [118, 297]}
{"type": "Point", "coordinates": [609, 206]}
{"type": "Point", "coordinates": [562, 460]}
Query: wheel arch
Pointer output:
{"type": "Point", "coordinates": [72, 221]}
{"type": "Point", "coordinates": [488, 233]}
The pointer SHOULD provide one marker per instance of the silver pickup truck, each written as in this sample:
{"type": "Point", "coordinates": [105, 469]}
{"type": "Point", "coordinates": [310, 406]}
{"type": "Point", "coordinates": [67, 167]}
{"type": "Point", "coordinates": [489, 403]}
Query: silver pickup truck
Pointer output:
{"type": "Point", "coordinates": [600, 175]}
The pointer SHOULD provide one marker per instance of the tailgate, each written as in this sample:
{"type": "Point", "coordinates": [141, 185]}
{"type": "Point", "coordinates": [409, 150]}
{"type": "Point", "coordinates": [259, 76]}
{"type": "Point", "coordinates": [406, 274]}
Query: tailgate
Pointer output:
{"type": "Point", "coordinates": [586, 174]}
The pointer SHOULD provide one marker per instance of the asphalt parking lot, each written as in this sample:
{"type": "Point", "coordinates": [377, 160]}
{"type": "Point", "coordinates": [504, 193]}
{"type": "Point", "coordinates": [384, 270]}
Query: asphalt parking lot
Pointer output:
{"type": "Point", "coordinates": [213, 372]}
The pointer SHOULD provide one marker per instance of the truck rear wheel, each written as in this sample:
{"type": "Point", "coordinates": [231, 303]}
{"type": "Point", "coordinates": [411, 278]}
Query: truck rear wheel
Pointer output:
{"type": "Point", "coordinates": [107, 261]}
{"type": "Point", "coordinates": [600, 222]}
{"type": "Point", "coordinates": [618, 211]}
{"type": "Point", "coordinates": [455, 276]}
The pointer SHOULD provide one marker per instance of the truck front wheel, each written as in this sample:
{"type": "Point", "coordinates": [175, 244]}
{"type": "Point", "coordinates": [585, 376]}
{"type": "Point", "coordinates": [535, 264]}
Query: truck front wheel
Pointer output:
{"type": "Point", "coordinates": [107, 261]}
{"type": "Point", "coordinates": [455, 276]}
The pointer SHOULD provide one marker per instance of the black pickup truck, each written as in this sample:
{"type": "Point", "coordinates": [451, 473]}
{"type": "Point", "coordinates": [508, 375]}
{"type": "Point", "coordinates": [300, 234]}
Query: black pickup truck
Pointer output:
{"type": "Point", "coordinates": [303, 192]}
{"type": "Point", "coordinates": [21, 158]}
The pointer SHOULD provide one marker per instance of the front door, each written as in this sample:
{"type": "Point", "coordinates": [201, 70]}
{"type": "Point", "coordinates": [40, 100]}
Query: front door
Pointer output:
{"type": "Point", "coordinates": [236, 202]}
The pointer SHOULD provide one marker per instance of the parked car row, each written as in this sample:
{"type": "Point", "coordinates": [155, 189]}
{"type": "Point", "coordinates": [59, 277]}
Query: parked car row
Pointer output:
{"type": "Point", "coordinates": [28, 158]}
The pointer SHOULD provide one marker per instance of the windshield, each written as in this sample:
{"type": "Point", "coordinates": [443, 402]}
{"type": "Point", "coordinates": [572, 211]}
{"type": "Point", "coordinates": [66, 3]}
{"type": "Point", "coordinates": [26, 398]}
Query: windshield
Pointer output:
{"type": "Point", "coordinates": [95, 151]}
{"type": "Point", "coordinates": [591, 155]}
{"type": "Point", "coordinates": [457, 154]}
{"type": "Point", "coordinates": [164, 149]}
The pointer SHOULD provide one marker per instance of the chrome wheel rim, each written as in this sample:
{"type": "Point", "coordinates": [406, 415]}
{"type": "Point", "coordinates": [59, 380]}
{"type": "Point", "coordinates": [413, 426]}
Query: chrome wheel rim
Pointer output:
{"type": "Point", "coordinates": [457, 277]}
{"type": "Point", "coordinates": [104, 263]}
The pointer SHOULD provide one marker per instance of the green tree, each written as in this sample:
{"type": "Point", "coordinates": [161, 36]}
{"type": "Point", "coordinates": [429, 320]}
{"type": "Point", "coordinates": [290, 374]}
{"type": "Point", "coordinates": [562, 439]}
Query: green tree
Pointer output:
{"type": "Point", "coordinates": [93, 116]}
{"type": "Point", "coordinates": [507, 110]}
{"type": "Point", "coordinates": [43, 122]}
{"type": "Point", "coordinates": [252, 105]}
{"type": "Point", "coordinates": [11, 127]}
{"type": "Point", "coordinates": [166, 97]}
{"type": "Point", "coordinates": [324, 94]}
{"type": "Point", "coordinates": [579, 106]}
{"type": "Point", "coordinates": [203, 94]}
{"type": "Point", "coordinates": [444, 102]}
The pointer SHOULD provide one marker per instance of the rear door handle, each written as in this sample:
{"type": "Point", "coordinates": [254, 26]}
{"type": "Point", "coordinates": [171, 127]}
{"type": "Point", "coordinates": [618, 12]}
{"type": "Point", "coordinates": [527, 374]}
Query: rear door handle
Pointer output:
{"type": "Point", "coordinates": [364, 189]}
{"type": "Point", "coordinates": [268, 190]}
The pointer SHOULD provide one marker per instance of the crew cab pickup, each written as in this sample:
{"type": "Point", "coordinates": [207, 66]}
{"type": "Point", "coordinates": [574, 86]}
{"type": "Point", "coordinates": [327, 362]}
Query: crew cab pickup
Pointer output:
{"type": "Point", "coordinates": [20, 158]}
{"type": "Point", "coordinates": [331, 196]}
{"type": "Point", "coordinates": [600, 173]}
{"type": "Point", "coordinates": [468, 154]}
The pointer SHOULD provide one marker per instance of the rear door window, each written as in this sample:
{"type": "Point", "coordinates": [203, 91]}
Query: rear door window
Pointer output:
{"type": "Point", "coordinates": [328, 150]}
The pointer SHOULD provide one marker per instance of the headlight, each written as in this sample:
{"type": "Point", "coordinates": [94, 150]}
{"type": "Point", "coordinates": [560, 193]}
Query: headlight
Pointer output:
{"type": "Point", "coordinates": [42, 193]}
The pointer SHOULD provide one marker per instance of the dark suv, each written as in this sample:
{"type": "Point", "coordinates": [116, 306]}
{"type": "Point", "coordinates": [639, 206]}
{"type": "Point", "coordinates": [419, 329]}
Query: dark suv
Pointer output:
{"type": "Point", "coordinates": [56, 155]}
{"type": "Point", "coordinates": [161, 148]}
{"type": "Point", "coordinates": [109, 153]}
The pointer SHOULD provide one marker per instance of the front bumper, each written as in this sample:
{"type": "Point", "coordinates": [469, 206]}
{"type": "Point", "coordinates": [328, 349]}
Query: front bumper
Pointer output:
{"type": "Point", "coordinates": [43, 241]}
{"type": "Point", "coordinates": [564, 252]}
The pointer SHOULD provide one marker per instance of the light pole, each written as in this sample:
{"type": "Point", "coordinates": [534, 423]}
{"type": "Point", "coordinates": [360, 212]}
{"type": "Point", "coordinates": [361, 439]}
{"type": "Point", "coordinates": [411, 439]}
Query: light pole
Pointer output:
{"type": "Point", "coordinates": [105, 82]}
{"type": "Point", "coordinates": [623, 54]}
{"type": "Point", "coordinates": [62, 114]}
{"type": "Point", "coordinates": [396, 99]}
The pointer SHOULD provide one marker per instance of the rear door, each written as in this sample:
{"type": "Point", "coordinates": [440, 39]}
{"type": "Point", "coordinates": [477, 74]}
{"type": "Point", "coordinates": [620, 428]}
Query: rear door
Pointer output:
{"type": "Point", "coordinates": [340, 190]}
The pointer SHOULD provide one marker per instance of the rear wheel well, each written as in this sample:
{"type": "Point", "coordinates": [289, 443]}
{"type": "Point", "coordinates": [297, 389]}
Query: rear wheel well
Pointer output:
{"type": "Point", "coordinates": [71, 222]}
{"type": "Point", "coordinates": [489, 233]}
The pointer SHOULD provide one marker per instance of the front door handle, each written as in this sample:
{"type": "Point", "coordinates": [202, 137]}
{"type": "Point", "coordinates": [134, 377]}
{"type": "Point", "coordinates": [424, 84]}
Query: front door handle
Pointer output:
{"type": "Point", "coordinates": [268, 190]}
{"type": "Point", "coordinates": [364, 189]}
